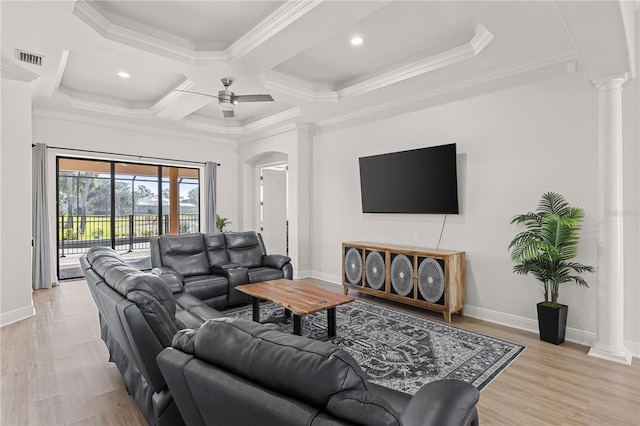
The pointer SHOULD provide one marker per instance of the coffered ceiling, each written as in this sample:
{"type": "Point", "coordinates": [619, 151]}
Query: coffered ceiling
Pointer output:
{"type": "Point", "coordinates": [414, 54]}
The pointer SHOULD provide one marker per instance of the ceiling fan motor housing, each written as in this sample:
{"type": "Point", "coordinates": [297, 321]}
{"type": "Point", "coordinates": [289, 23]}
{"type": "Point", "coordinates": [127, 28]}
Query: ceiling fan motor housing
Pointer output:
{"type": "Point", "coordinates": [225, 100]}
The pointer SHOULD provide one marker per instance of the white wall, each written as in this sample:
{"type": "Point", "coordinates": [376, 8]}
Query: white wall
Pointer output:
{"type": "Point", "coordinates": [295, 144]}
{"type": "Point", "coordinates": [15, 202]}
{"type": "Point", "coordinates": [512, 146]}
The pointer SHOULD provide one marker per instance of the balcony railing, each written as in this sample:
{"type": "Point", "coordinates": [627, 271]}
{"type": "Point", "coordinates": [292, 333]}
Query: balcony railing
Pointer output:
{"type": "Point", "coordinates": [131, 232]}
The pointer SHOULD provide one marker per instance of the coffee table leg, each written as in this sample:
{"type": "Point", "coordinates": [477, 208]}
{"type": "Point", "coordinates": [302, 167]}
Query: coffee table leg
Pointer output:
{"type": "Point", "coordinates": [255, 305]}
{"type": "Point", "coordinates": [331, 322]}
{"type": "Point", "coordinates": [297, 324]}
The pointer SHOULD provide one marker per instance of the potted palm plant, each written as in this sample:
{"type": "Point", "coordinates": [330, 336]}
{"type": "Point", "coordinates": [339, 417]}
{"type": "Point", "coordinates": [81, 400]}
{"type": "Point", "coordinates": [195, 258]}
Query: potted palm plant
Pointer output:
{"type": "Point", "coordinates": [222, 222]}
{"type": "Point", "coordinates": [545, 249]}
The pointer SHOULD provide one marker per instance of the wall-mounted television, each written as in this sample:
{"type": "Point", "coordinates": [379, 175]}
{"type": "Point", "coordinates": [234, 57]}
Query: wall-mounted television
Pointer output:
{"type": "Point", "coordinates": [416, 181]}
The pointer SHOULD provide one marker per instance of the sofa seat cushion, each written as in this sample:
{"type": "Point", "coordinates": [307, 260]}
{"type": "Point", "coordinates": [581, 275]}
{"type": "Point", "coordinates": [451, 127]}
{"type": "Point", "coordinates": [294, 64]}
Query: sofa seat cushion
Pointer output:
{"type": "Point", "coordinates": [206, 286]}
{"type": "Point", "coordinates": [257, 275]}
{"type": "Point", "coordinates": [185, 253]}
{"type": "Point", "coordinates": [192, 312]}
{"type": "Point", "coordinates": [293, 366]}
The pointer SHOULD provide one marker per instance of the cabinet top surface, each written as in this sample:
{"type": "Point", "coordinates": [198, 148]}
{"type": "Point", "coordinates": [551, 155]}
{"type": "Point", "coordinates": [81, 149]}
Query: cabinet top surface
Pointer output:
{"type": "Point", "coordinates": [383, 246]}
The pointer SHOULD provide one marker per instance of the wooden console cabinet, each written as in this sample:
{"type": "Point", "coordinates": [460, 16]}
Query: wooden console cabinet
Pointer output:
{"type": "Point", "coordinates": [428, 278]}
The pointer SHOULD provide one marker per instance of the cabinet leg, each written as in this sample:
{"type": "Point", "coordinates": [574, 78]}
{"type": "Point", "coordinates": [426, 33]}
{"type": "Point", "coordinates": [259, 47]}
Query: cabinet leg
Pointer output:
{"type": "Point", "coordinates": [461, 312]}
{"type": "Point", "coordinates": [346, 290]}
{"type": "Point", "coordinates": [447, 317]}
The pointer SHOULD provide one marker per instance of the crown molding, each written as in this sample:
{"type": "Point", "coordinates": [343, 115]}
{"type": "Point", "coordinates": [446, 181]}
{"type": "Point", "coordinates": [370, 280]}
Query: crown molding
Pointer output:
{"type": "Point", "coordinates": [252, 127]}
{"type": "Point", "coordinates": [102, 108]}
{"type": "Point", "coordinates": [141, 128]}
{"type": "Point", "coordinates": [284, 16]}
{"type": "Point", "coordinates": [285, 128]}
{"type": "Point", "coordinates": [94, 16]}
{"type": "Point", "coordinates": [277, 81]}
{"type": "Point", "coordinates": [211, 127]}
{"type": "Point", "coordinates": [171, 97]}
{"type": "Point", "coordinates": [11, 71]}
{"type": "Point", "coordinates": [90, 105]}
{"type": "Point", "coordinates": [295, 87]}
{"type": "Point", "coordinates": [272, 120]}
{"type": "Point", "coordinates": [498, 74]}
{"type": "Point", "coordinates": [482, 37]}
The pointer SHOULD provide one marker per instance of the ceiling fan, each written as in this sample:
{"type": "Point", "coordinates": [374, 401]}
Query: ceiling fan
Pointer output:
{"type": "Point", "coordinates": [227, 100]}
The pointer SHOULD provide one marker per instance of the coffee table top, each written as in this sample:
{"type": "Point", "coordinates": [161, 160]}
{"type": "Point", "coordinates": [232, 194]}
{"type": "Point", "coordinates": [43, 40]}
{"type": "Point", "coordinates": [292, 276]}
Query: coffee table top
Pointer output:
{"type": "Point", "coordinates": [300, 298]}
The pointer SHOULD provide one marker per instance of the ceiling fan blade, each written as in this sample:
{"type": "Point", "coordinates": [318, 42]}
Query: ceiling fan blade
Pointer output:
{"type": "Point", "coordinates": [252, 98]}
{"type": "Point", "coordinates": [228, 114]}
{"type": "Point", "coordinates": [195, 93]}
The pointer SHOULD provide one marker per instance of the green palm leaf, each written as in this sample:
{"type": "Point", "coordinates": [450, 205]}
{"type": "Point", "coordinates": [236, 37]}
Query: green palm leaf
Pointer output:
{"type": "Point", "coordinates": [550, 240]}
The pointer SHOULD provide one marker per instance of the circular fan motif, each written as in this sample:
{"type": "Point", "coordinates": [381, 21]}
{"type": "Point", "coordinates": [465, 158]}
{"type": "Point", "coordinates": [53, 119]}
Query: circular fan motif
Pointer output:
{"type": "Point", "coordinates": [402, 275]}
{"type": "Point", "coordinates": [375, 270]}
{"type": "Point", "coordinates": [430, 280]}
{"type": "Point", "coordinates": [353, 266]}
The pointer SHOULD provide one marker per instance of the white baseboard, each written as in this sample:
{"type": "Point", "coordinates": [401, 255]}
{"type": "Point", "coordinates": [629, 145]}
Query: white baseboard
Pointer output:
{"type": "Point", "coordinates": [333, 279]}
{"type": "Point", "coordinates": [528, 324]}
{"type": "Point", "coordinates": [574, 335]}
{"type": "Point", "coordinates": [301, 274]}
{"type": "Point", "coordinates": [17, 315]}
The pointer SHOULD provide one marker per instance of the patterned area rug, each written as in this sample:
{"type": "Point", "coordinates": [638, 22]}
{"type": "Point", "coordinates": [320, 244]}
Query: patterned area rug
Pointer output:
{"type": "Point", "coordinates": [403, 351]}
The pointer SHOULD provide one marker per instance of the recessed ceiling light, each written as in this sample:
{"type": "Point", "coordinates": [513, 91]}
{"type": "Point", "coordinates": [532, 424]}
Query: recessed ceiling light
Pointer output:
{"type": "Point", "coordinates": [124, 74]}
{"type": "Point", "coordinates": [357, 40]}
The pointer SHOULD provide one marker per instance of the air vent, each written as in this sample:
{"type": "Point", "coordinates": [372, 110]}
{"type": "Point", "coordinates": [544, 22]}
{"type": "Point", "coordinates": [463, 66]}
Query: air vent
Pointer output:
{"type": "Point", "coordinates": [30, 58]}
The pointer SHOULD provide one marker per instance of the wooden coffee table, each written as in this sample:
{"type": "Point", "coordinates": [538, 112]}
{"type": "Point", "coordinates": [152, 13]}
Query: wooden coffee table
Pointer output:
{"type": "Point", "coordinates": [298, 298]}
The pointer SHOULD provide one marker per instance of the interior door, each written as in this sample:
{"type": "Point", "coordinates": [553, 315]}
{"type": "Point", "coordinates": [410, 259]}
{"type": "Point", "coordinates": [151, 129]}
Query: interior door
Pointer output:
{"type": "Point", "coordinates": [274, 210]}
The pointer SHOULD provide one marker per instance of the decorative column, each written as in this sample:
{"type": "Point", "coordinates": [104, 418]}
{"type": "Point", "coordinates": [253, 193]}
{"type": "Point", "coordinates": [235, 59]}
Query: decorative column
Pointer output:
{"type": "Point", "coordinates": [609, 343]}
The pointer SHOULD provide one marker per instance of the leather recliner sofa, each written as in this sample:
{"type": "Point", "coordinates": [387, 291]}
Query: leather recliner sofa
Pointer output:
{"type": "Point", "coordinates": [139, 315]}
{"type": "Point", "coordinates": [237, 372]}
{"type": "Point", "coordinates": [210, 266]}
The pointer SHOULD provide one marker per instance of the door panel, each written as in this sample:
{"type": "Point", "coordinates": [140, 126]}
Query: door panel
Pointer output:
{"type": "Point", "coordinates": [274, 210]}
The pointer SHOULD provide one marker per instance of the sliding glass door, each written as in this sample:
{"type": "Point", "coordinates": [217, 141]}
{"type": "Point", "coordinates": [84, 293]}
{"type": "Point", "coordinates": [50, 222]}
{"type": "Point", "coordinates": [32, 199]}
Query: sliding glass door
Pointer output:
{"type": "Point", "coordinates": [121, 205]}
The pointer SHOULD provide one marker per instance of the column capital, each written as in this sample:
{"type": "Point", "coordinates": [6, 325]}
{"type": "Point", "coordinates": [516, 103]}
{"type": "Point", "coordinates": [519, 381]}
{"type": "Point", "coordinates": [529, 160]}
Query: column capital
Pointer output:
{"type": "Point", "coordinates": [610, 83]}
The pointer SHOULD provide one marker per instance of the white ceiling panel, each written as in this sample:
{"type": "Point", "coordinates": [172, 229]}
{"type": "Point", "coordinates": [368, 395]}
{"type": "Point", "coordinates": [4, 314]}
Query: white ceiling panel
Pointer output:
{"type": "Point", "coordinates": [93, 76]}
{"type": "Point", "coordinates": [397, 34]}
{"type": "Point", "coordinates": [206, 25]}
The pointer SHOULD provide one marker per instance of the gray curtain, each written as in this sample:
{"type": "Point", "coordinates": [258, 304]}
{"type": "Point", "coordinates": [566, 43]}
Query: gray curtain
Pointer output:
{"type": "Point", "coordinates": [210, 170]}
{"type": "Point", "coordinates": [41, 268]}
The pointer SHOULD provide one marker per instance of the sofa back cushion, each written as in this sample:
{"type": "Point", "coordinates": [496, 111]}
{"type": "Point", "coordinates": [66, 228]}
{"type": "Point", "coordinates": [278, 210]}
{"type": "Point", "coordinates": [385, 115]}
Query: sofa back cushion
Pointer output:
{"type": "Point", "coordinates": [149, 292]}
{"type": "Point", "coordinates": [184, 253]}
{"type": "Point", "coordinates": [216, 246]}
{"type": "Point", "coordinates": [304, 369]}
{"type": "Point", "coordinates": [362, 407]}
{"type": "Point", "coordinates": [244, 248]}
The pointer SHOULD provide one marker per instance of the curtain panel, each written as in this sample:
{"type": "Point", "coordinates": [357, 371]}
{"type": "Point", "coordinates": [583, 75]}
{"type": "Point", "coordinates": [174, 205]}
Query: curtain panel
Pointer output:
{"type": "Point", "coordinates": [41, 267]}
{"type": "Point", "coordinates": [210, 170]}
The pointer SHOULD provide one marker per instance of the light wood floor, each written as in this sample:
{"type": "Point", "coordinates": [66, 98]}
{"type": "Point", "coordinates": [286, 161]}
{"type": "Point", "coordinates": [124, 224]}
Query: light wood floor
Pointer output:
{"type": "Point", "coordinates": [55, 371]}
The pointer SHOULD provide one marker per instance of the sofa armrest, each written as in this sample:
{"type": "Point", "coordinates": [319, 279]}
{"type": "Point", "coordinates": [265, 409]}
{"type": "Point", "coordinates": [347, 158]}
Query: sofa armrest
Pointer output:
{"type": "Point", "coordinates": [443, 403]}
{"type": "Point", "coordinates": [236, 276]}
{"type": "Point", "coordinates": [218, 268]}
{"type": "Point", "coordinates": [275, 260]}
{"type": "Point", "coordinates": [171, 277]}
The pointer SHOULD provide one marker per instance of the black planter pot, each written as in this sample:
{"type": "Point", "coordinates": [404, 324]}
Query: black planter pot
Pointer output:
{"type": "Point", "coordinates": [552, 323]}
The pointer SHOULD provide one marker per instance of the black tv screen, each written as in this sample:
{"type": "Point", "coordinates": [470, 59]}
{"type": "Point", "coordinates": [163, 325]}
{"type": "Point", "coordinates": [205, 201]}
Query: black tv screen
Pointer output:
{"type": "Point", "coordinates": [417, 181]}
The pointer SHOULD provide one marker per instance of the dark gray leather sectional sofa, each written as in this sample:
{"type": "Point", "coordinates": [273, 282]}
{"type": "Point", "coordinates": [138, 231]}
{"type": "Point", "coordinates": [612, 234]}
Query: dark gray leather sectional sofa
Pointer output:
{"type": "Point", "coordinates": [223, 371]}
{"type": "Point", "coordinates": [209, 266]}
{"type": "Point", "coordinates": [237, 372]}
{"type": "Point", "coordinates": [139, 315]}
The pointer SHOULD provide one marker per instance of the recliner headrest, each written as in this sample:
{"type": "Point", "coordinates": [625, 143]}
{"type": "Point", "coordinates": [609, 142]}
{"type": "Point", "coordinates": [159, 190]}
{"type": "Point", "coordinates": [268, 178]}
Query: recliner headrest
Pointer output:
{"type": "Point", "coordinates": [181, 244]}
